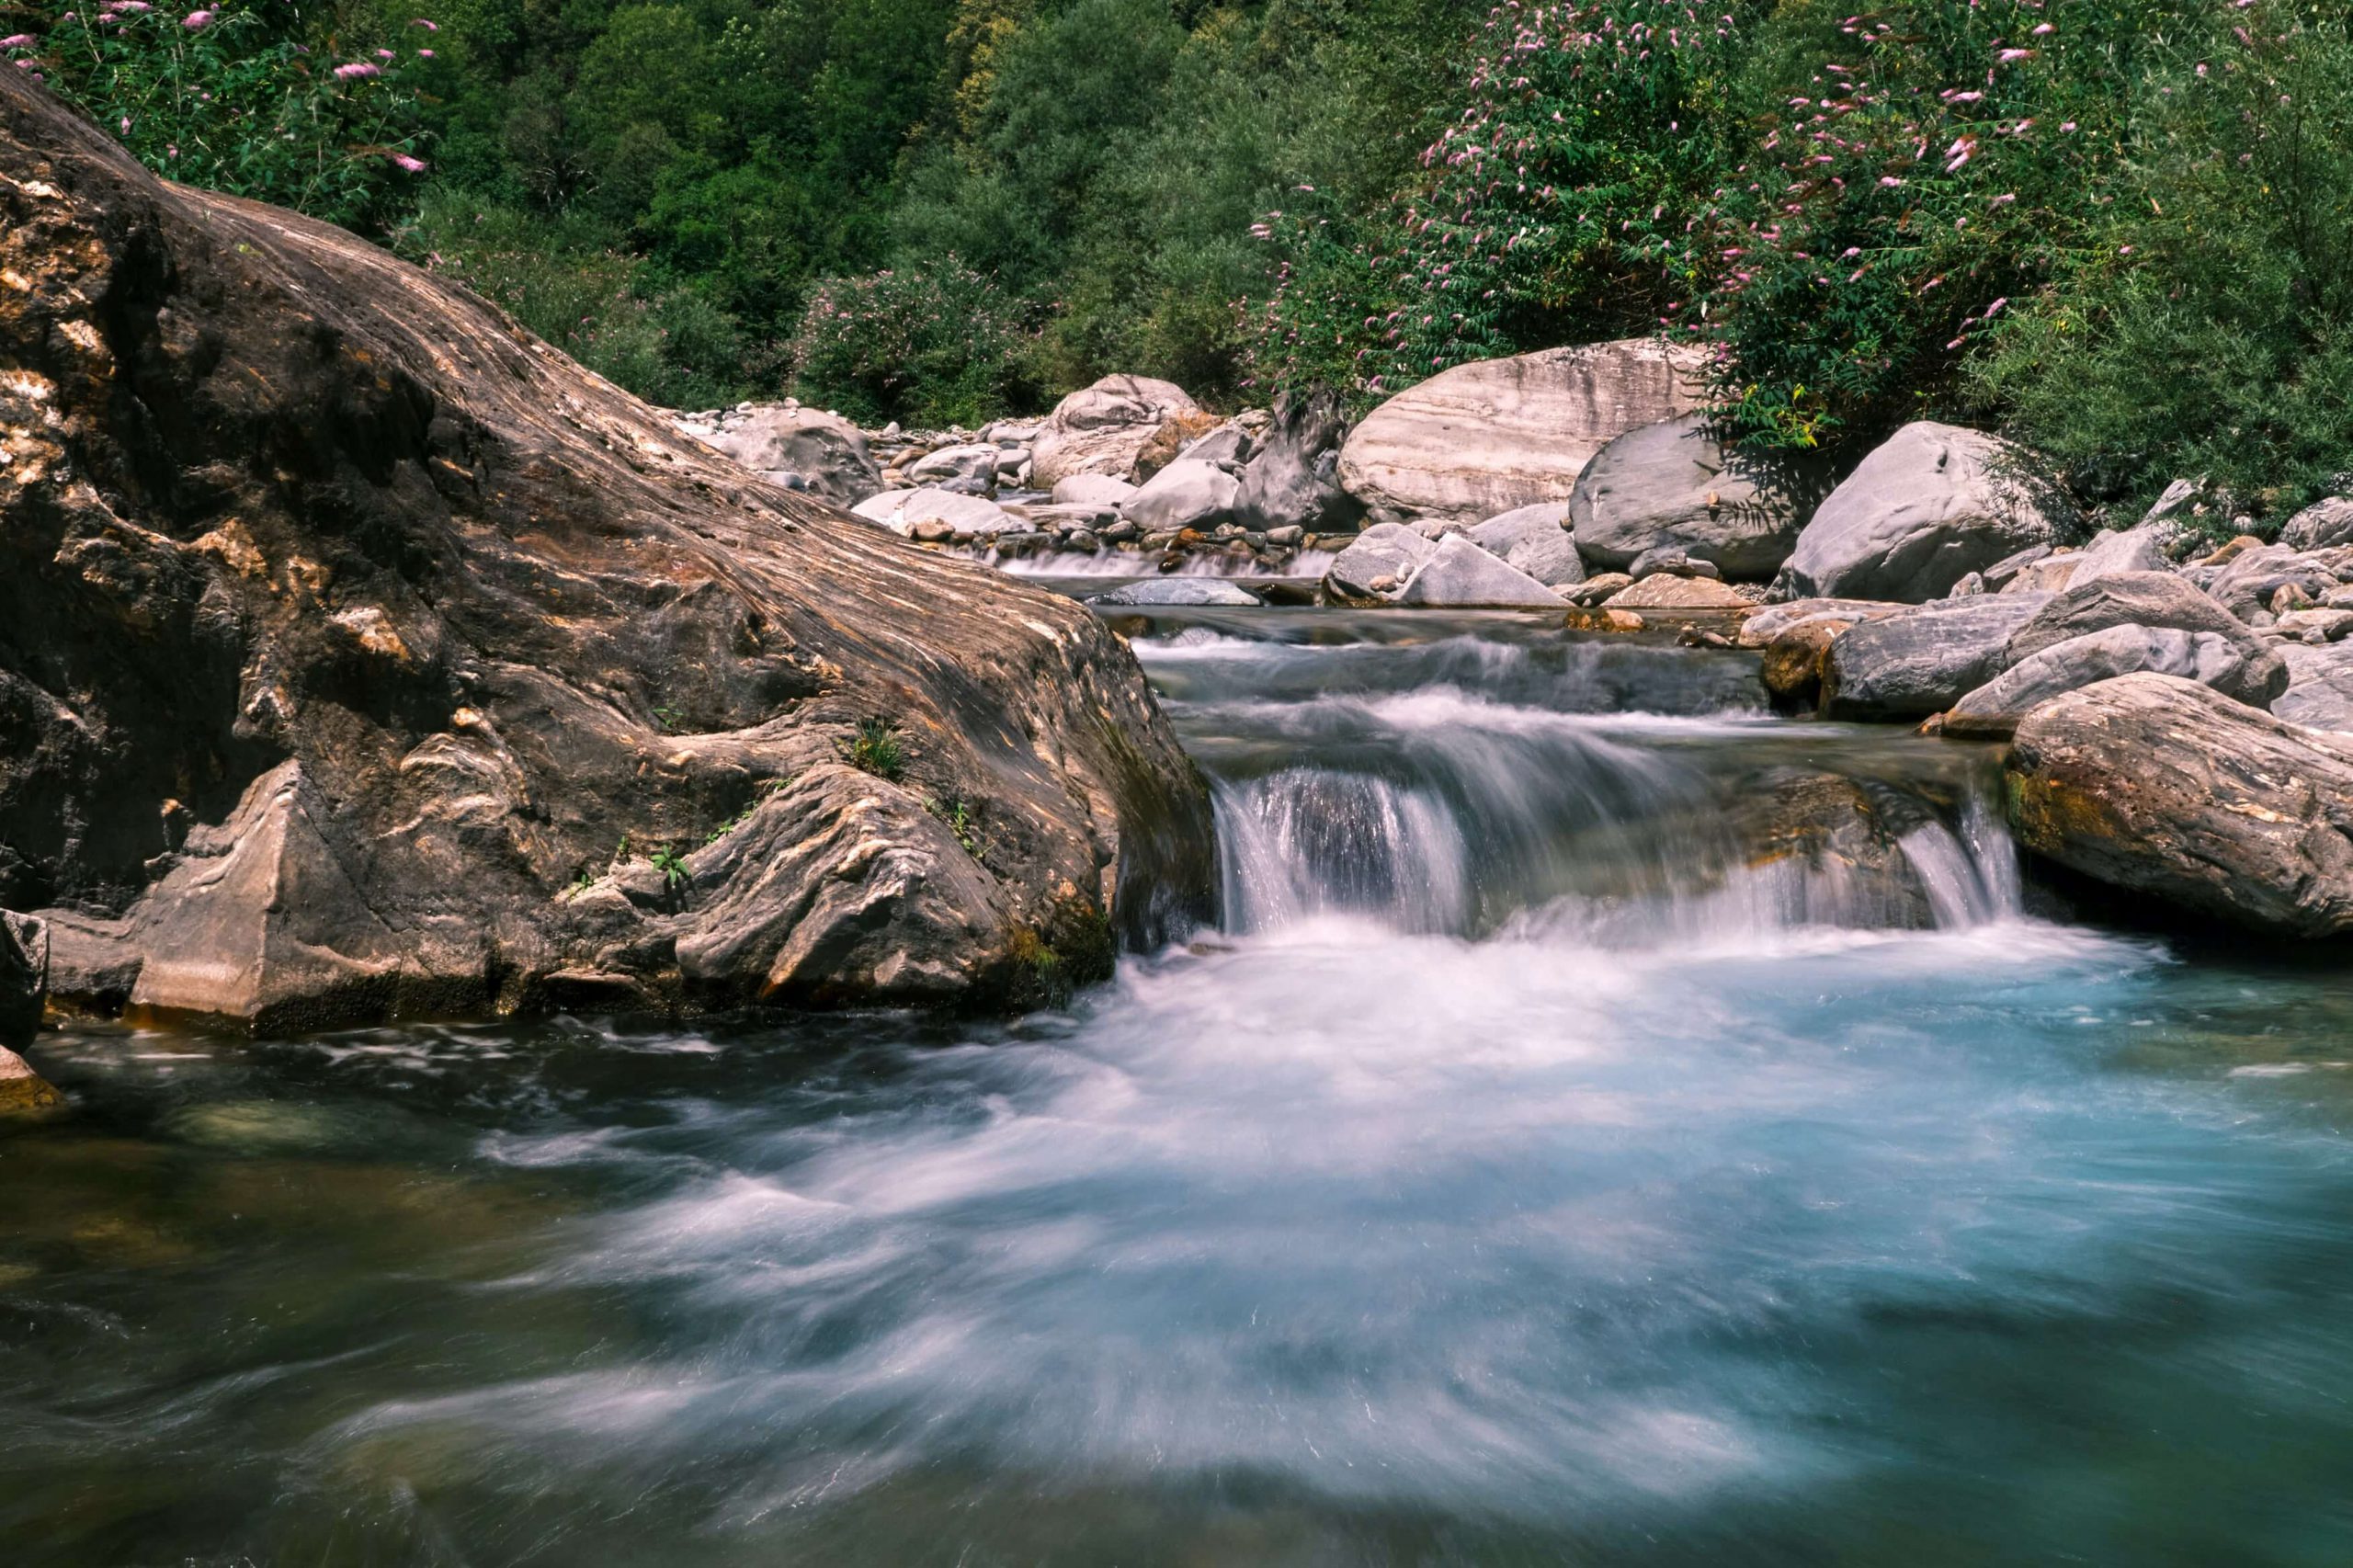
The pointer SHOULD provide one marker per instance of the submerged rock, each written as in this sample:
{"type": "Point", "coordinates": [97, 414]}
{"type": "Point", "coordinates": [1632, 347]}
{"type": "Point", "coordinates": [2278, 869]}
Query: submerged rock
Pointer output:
{"type": "Point", "coordinates": [1929, 505]}
{"type": "Point", "coordinates": [372, 658]}
{"type": "Point", "coordinates": [1485, 437]}
{"type": "Point", "coordinates": [2162, 787]}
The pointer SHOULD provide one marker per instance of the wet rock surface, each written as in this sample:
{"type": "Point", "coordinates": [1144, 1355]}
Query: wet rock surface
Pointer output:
{"type": "Point", "coordinates": [363, 656]}
{"type": "Point", "coordinates": [2160, 786]}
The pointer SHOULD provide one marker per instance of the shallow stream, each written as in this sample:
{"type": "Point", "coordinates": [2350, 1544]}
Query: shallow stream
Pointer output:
{"type": "Point", "coordinates": [1613, 1126]}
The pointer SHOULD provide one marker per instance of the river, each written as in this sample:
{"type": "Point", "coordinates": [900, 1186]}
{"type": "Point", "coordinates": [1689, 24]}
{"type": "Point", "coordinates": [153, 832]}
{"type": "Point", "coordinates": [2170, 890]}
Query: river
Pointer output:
{"type": "Point", "coordinates": [1612, 1125]}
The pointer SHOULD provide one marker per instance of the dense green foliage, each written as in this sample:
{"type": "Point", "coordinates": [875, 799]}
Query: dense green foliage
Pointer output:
{"type": "Point", "coordinates": [230, 98]}
{"type": "Point", "coordinates": [2120, 227]}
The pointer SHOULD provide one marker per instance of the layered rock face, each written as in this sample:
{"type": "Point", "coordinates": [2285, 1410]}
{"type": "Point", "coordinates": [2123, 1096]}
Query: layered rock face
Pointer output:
{"type": "Point", "coordinates": [361, 656]}
{"type": "Point", "coordinates": [2163, 787]}
{"type": "Point", "coordinates": [1485, 439]}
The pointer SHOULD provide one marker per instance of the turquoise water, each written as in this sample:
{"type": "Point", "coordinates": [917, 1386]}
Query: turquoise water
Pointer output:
{"type": "Point", "coordinates": [1531, 1172]}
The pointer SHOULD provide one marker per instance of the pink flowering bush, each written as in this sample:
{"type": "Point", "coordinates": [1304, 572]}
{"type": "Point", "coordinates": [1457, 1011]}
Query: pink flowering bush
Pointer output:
{"type": "Point", "coordinates": [228, 99]}
{"type": "Point", "coordinates": [1555, 208]}
{"type": "Point", "coordinates": [938, 346]}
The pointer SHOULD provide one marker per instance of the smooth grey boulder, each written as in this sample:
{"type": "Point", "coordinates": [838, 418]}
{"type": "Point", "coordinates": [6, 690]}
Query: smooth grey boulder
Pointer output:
{"type": "Point", "coordinates": [826, 450]}
{"type": "Point", "coordinates": [969, 469]}
{"type": "Point", "coordinates": [1671, 485]}
{"type": "Point", "coordinates": [1176, 591]}
{"type": "Point", "coordinates": [1102, 429]}
{"type": "Point", "coordinates": [1920, 661]}
{"type": "Point", "coordinates": [902, 511]}
{"type": "Point", "coordinates": [2165, 788]}
{"type": "Point", "coordinates": [1187, 494]}
{"type": "Point", "coordinates": [2124, 550]}
{"type": "Point", "coordinates": [1929, 505]}
{"type": "Point", "coordinates": [1495, 435]}
{"type": "Point", "coordinates": [1385, 552]}
{"type": "Point", "coordinates": [1293, 480]}
{"type": "Point", "coordinates": [2320, 685]}
{"type": "Point", "coordinates": [2320, 524]}
{"type": "Point", "coordinates": [1093, 490]}
{"type": "Point", "coordinates": [1228, 446]}
{"type": "Point", "coordinates": [24, 978]}
{"type": "Point", "coordinates": [1533, 539]}
{"type": "Point", "coordinates": [1462, 575]}
{"type": "Point", "coordinates": [2124, 598]}
{"type": "Point", "coordinates": [2228, 665]}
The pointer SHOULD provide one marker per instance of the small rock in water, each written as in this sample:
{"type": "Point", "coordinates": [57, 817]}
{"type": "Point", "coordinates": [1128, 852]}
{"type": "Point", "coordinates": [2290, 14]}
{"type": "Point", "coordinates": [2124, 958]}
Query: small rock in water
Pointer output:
{"type": "Point", "coordinates": [1208, 591]}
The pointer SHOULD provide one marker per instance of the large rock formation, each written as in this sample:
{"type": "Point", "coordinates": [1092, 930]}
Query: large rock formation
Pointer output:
{"type": "Point", "coordinates": [360, 654]}
{"type": "Point", "coordinates": [1928, 506]}
{"type": "Point", "coordinates": [1486, 437]}
{"type": "Point", "coordinates": [1293, 480]}
{"type": "Point", "coordinates": [1104, 428]}
{"type": "Point", "coordinates": [2164, 788]}
{"type": "Point", "coordinates": [1673, 484]}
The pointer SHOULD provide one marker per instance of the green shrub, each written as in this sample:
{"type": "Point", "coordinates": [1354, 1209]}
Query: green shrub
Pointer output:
{"type": "Point", "coordinates": [231, 100]}
{"type": "Point", "coordinates": [875, 749]}
{"type": "Point", "coordinates": [940, 346]}
{"type": "Point", "coordinates": [2208, 331]}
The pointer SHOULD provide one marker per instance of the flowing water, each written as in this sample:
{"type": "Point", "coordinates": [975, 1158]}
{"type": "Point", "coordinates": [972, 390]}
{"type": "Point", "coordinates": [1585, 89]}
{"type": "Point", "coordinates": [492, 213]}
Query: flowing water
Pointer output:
{"type": "Point", "coordinates": [1613, 1126]}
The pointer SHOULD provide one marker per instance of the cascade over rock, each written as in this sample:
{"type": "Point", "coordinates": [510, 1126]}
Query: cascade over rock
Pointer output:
{"type": "Point", "coordinates": [360, 654]}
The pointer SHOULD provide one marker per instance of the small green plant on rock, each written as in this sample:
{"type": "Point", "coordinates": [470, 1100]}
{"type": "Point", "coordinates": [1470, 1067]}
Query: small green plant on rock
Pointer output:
{"type": "Point", "coordinates": [962, 819]}
{"type": "Point", "coordinates": [875, 749]}
{"type": "Point", "coordinates": [673, 867]}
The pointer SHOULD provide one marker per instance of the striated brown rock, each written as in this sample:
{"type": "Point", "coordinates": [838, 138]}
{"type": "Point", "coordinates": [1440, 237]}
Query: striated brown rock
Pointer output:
{"type": "Point", "coordinates": [1794, 660]}
{"type": "Point", "coordinates": [362, 656]}
{"type": "Point", "coordinates": [24, 978]}
{"type": "Point", "coordinates": [2163, 787]}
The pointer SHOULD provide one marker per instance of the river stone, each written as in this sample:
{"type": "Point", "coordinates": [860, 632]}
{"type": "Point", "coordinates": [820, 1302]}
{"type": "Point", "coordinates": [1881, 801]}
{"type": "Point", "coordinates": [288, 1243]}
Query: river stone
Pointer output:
{"type": "Point", "coordinates": [1929, 505]}
{"type": "Point", "coordinates": [1771, 620]}
{"type": "Point", "coordinates": [2320, 685]}
{"type": "Point", "coordinates": [1384, 551]}
{"type": "Point", "coordinates": [1667, 592]}
{"type": "Point", "coordinates": [1497, 435]}
{"type": "Point", "coordinates": [1176, 591]}
{"type": "Point", "coordinates": [1671, 560]}
{"type": "Point", "coordinates": [2124, 598]}
{"type": "Point", "coordinates": [2126, 550]}
{"type": "Point", "coordinates": [2226, 664]}
{"type": "Point", "coordinates": [2320, 524]}
{"type": "Point", "coordinates": [1293, 480]}
{"type": "Point", "coordinates": [2250, 578]}
{"type": "Point", "coordinates": [903, 511]}
{"type": "Point", "coordinates": [23, 1091]}
{"type": "Point", "coordinates": [1533, 539]}
{"type": "Point", "coordinates": [24, 977]}
{"type": "Point", "coordinates": [1103, 428]}
{"type": "Point", "coordinates": [1187, 494]}
{"type": "Point", "coordinates": [1459, 574]}
{"type": "Point", "coordinates": [827, 451]}
{"type": "Point", "coordinates": [345, 721]}
{"type": "Point", "coordinates": [1671, 485]}
{"type": "Point", "coordinates": [968, 470]}
{"type": "Point", "coordinates": [2165, 788]}
{"type": "Point", "coordinates": [1099, 490]}
{"type": "Point", "coordinates": [1920, 661]}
